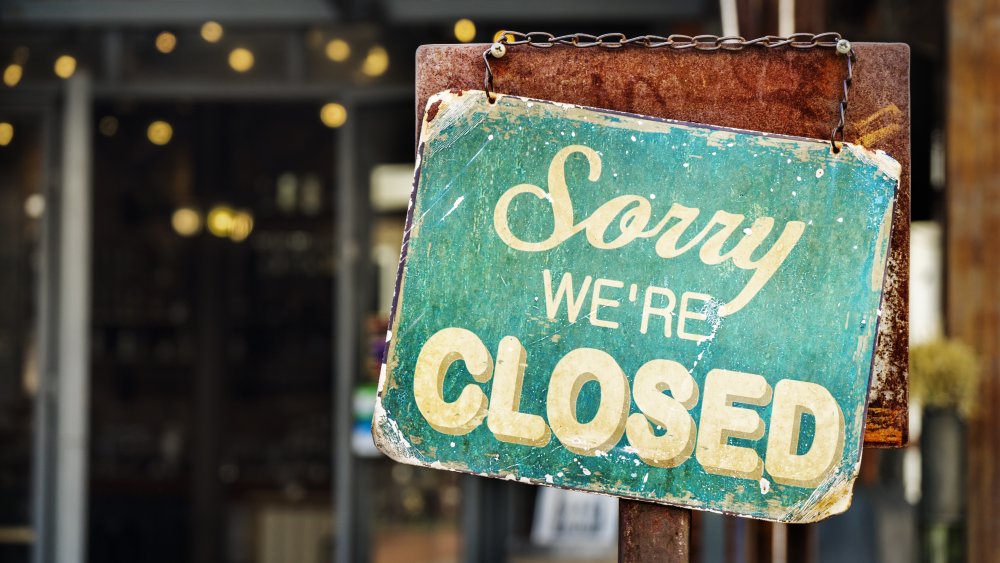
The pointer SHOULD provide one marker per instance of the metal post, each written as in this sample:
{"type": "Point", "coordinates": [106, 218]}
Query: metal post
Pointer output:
{"type": "Point", "coordinates": [652, 533]}
{"type": "Point", "coordinates": [73, 324]}
{"type": "Point", "coordinates": [485, 519]}
{"type": "Point", "coordinates": [346, 328]}
{"type": "Point", "coordinates": [206, 506]}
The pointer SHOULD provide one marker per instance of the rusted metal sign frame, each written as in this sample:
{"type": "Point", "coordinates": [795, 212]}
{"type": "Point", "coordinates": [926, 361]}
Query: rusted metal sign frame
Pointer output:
{"type": "Point", "coordinates": [788, 92]}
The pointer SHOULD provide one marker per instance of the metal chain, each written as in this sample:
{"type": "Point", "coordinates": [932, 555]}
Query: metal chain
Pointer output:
{"type": "Point", "coordinates": [541, 39]}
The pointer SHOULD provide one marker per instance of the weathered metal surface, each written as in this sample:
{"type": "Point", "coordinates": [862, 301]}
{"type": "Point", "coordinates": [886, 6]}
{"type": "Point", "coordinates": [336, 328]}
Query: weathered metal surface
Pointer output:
{"type": "Point", "coordinates": [550, 246]}
{"type": "Point", "coordinates": [787, 92]}
{"type": "Point", "coordinates": [653, 534]}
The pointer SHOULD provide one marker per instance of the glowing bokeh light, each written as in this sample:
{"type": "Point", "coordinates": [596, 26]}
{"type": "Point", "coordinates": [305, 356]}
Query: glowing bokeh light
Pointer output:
{"type": "Point", "coordinates": [159, 133]}
{"type": "Point", "coordinates": [65, 66]}
{"type": "Point", "coordinates": [6, 133]}
{"type": "Point", "coordinates": [333, 115]}
{"type": "Point", "coordinates": [186, 221]}
{"type": "Point", "coordinates": [211, 32]}
{"type": "Point", "coordinates": [12, 74]}
{"type": "Point", "coordinates": [465, 30]}
{"type": "Point", "coordinates": [338, 50]}
{"type": "Point", "coordinates": [241, 59]}
{"type": "Point", "coordinates": [34, 206]}
{"type": "Point", "coordinates": [165, 42]}
{"type": "Point", "coordinates": [220, 220]}
{"type": "Point", "coordinates": [241, 226]}
{"type": "Point", "coordinates": [376, 62]}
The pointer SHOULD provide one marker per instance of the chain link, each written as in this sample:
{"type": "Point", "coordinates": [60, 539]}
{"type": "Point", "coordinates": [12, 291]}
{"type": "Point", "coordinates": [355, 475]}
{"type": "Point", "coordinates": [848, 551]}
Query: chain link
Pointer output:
{"type": "Point", "coordinates": [544, 40]}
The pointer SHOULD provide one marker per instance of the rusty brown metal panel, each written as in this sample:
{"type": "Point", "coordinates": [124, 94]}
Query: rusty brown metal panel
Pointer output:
{"type": "Point", "coordinates": [785, 91]}
{"type": "Point", "coordinates": [651, 533]}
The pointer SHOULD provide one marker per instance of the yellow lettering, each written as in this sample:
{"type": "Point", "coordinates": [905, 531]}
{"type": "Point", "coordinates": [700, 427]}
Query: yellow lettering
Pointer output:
{"type": "Point", "coordinates": [665, 312]}
{"type": "Point", "coordinates": [666, 245]}
{"type": "Point", "coordinates": [720, 421]}
{"type": "Point", "coordinates": [440, 351]}
{"type": "Point", "coordinates": [671, 413]}
{"type": "Point", "coordinates": [630, 226]}
{"type": "Point", "coordinates": [603, 431]}
{"type": "Point", "coordinates": [694, 315]}
{"type": "Point", "coordinates": [558, 196]}
{"type": "Point", "coordinates": [573, 305]}
{"type": "Point", "coordinates": [764, 268]}
{"type": "Point", "coordinates": [597, 302]}
{"type": "Point", "coordinates": [792, 399]}
{"type": "Point", "coordinates": [504, 420]}
{"type": "Point", "coordinates": [634, 213]}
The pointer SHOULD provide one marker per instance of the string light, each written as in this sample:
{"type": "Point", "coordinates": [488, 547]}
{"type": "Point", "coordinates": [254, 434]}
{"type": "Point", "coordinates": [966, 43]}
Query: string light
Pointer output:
{"type": "Point", "coordinates": [211, 32]}
{"type": "Point", "coordinates": [338, 50]}
{"type": "Point", "coordinates": [159, 133]}
{"type": "Point", "coordinates": [333, 115]}
{"type": "Point", "coordinates": [65, 66]}
{"type": "Point", "coordinates": [186, 221]}
{"type": "Point", "coordinates": [12, 74]}
{"type": "Point", "coordinates": [6, 133]}
{"type": "Point", "coordinates": [165, 42]}
{"type": "Point", "coordinates": [240, 59]}
{"type": "Point", "coordinates": [220, 220]}
{"type": "Point", "coordinates": [465, 30]}
{"type": "Point", "coordinates": [376, 62]}
{"type": "Point", "coordinates": [241, 227]}
{"type": "Point", "coordinates": [225, 222]}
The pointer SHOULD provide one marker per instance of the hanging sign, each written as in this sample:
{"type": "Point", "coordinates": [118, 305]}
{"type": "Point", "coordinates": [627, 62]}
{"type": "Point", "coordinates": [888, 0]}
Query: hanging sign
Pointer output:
{"type": "Point", "coordinates": [637, 307]}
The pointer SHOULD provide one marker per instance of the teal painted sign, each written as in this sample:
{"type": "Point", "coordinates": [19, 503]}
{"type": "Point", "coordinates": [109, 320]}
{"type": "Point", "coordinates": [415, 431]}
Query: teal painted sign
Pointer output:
{"type": "Point", "coordinates": [636, 307]}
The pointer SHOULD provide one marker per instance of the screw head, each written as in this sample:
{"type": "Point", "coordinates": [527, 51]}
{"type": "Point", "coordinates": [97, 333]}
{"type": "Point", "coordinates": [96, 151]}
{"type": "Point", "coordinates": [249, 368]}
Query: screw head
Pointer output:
{"type": "Point", "coordinates": [843, 46]}
{"type": "Point", "coordinates": [498, 50]}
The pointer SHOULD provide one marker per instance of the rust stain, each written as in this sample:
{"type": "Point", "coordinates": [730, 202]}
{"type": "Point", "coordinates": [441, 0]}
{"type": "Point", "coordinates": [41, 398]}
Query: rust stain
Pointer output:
{"type": "Point", "coordinates": [432, 110]}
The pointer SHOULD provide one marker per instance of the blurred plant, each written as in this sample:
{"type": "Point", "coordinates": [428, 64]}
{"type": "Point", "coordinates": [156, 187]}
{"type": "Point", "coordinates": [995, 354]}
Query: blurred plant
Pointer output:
{"type": "Point", "coordinates": [944, 373]}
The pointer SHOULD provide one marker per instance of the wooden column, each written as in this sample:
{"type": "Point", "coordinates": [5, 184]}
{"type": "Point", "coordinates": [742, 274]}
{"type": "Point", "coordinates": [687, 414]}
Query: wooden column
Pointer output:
{"type": "Point", "coordinates": [973, 273]}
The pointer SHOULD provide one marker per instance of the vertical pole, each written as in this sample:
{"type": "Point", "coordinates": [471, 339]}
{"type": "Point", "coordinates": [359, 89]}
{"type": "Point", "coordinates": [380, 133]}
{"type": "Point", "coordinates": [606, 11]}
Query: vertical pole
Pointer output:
{"type": "Point", "coordinates": [206, 508]}
{"type": "Point", "coordinates": [730, 17]}
{"type": "Point", "coordinates": [43, 457]}
{"type": "Point", "coordinates": [801, 542]}
{"type": "Point", "coordinates": [206, 523]}
{"type": "Point", "coordinates": [73, 348]}
{"type": "Point", "coordinates": [973, 227]}
{"type": "Point", "coordinates": [345, 316]}
{"type": "Point", "coordinates": [485, 519]}
{"type": "Point", "coordinates": [786, 17]}
{"type": "Point", "coordinates": [652, 533]}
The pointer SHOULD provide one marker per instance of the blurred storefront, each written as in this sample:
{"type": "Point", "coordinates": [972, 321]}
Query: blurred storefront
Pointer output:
{"type": "Point", "coordinates": [201, 207]}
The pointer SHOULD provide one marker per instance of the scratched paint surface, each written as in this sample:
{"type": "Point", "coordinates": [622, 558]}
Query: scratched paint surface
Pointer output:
{"type": "Point", "coordinates": [814, 320]}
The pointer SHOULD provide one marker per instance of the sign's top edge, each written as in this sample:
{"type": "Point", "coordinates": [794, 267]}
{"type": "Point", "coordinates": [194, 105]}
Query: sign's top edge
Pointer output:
{"type": "Point", "coordinates": [880, 159]}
